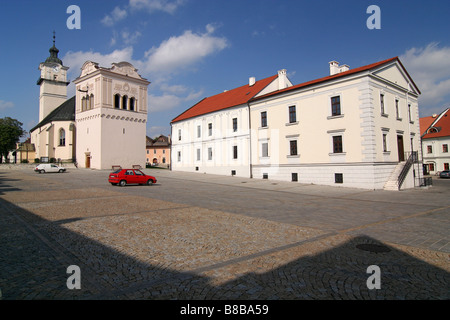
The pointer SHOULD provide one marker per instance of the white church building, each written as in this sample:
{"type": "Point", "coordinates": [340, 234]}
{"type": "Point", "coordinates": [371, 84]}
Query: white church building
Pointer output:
{"type": "Point", "coordinates": [102, 126]}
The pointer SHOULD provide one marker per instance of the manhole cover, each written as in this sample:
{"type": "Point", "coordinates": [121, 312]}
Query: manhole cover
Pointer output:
{"type": "Point", "coordinates": [376, 248]}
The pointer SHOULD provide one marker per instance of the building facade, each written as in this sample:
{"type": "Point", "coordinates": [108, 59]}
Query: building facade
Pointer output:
{"type": "Point", "coordinates": [158, 151]}
{"type": "Point", "coordinates": [103, 125]}
{"type": "Point", "coordinates": [111, 116]}
{"type": "Point", "coordinates": [54, 136]}
{"type": "Point", "coordinates": [355, 128]}
{"type": "Point", "coordinates": [214, 135]}
{"type": "Point", "coordinates": [435, 142]}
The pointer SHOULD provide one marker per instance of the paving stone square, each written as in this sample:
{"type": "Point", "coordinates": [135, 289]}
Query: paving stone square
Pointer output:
{"type": "Point", "coordinates": [205, 237]}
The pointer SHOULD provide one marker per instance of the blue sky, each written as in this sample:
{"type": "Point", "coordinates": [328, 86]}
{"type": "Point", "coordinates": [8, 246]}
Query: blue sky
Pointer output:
{"type": "Point", "coordinates": [191, 49]}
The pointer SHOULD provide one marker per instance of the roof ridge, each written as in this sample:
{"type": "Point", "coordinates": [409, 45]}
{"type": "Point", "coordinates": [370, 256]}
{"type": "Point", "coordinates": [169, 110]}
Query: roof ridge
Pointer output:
{"type": "Point", "coordinates": [227, 99]}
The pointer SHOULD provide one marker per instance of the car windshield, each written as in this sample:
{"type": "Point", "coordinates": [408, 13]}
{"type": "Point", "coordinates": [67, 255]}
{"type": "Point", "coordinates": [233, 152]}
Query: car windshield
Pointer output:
{"type": "Point", "coordinates": [139, 172]}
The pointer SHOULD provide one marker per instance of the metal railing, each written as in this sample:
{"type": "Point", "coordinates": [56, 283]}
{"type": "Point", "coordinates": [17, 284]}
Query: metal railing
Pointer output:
{"type": "Point", "coordinates": [412, 157]}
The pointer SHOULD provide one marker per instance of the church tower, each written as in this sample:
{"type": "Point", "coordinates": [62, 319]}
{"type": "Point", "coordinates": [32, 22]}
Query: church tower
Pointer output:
{"type": "Point", "coordinates": [53, 83]}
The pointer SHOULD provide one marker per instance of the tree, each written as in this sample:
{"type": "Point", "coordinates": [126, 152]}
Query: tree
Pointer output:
{"type": "Point", "coordinates": [10, 133]}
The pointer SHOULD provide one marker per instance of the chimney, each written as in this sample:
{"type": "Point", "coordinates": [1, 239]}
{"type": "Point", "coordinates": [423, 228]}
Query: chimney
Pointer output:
{"type": "Point", "coordinates": [251, 81]}
{"type": "Point", "coordinates": [282, 83]}
{"type": "Point", "coordinates": [334, 67]}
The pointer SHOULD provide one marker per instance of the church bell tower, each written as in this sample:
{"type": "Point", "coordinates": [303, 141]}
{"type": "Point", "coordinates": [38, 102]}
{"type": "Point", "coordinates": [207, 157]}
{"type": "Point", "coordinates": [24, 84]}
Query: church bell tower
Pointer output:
{"type": "Point", "coordinates": [53, 83]}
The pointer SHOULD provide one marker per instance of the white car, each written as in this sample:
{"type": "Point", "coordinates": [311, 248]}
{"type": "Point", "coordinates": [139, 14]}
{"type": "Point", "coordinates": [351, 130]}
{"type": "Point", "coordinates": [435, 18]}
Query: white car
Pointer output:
{"type": "Point", "coordinates": [49, 167]}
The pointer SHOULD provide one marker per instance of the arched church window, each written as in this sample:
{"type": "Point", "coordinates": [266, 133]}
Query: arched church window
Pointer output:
{"type": "Point", "coordinates": [62, 137]}
{"type": "Point", "coordinates": [117, 101]}
{"type": "Point", "coordinates": [124, 102]}
{"type": "Point", "coordinates": [91, 101]}
{"type": "Point", "coordinates": [132, 102]}
{"type": "Point", "coordinates": [83, 104]}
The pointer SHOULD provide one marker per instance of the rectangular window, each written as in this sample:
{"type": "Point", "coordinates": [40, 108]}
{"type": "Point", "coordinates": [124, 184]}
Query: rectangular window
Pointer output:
{"type": "Point", "coordinates": [198, 154]}
{"type": "Point", "coordinates": [409, 113]}
{"type": "Point", "coordinates": [209, 153]}
{"type": "Point", "coordinates": [293, 147]}
{"type": "Point", "coordinates": [338, 178]}
{"type": "Point", "coordinates": [235, 152]}
{"type": "Point", "coordinates": [210, 129]}
{"type": "Point", "coordinates": [265, 149]}
{"type": "Point", "coordinates": [336, 106]}
{"type": "Point", "coordinates": [431, 166]}
{"type": "Point", "coordinates": [294, 176]}
{"type": "Point", "coordinates": [397, 111]}
{"type": "Point", "coordinates": [446, 167]}
{"type": "Point", "coordinates": [235, 125]}
{"type": "Point", "coordinates": [265, 176]}
{"type": "Point", "coordinates": [154, 151]}
{"type": "Point", "coordinates": [292, 114]}
{"type": "Point", "coordinates": [337, 144]}
{"type": "Point", "coordinates": [264, 119]}
{"type": "Point", "coordinates": [199, 131]}
{"type": "Point", "coordinates": [179, 156]}
{"type": "Point", "coordinates": [382, 103]}
{"type": "Point", "coordinates": [429, 149]}
{"type": "Point", "coordinates": [445, 148]}
{"type": "Point", "coordinates": [179, 134]}
{"type": "Point", "coordinates": [385, 142]}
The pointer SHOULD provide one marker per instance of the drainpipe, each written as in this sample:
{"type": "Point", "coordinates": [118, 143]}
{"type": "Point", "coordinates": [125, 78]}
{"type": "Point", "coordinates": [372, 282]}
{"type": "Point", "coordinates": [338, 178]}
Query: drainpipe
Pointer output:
{"type": "Point", "coordinates": [250, 141]}
{"type": "Point", "coordinates": [171, 135]}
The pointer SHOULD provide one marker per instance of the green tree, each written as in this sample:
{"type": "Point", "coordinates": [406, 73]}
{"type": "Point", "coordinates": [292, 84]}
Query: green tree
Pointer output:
{"type": "Point", "coordinates": [10, 133]}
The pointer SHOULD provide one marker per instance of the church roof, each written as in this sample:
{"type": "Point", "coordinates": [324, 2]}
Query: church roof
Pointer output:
{"type": "Point", "coordinates": [65, 112]}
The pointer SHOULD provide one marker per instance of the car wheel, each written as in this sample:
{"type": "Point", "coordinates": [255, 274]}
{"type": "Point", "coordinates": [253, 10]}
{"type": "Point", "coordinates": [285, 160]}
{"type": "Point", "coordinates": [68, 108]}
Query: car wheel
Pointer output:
{"type": "Point", "coordinates": [39, 171]}
{"type": "Point", "coordinates": [149, 182]}
{"type": "Point", "coordinates": [61, 171]}
{"type": "Point", "coordinates": [43, 171]}
{"type": "Point", "coordinates": [122, 183]}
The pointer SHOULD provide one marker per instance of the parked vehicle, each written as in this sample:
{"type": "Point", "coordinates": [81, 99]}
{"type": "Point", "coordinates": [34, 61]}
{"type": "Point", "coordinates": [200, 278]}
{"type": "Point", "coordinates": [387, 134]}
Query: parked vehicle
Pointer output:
{"type": "Point", "coordinates": [444, 174]}
{"type": "Point", "coordinates": [123, 177]}
{"type": "Point", "coordinates": [48, 167]}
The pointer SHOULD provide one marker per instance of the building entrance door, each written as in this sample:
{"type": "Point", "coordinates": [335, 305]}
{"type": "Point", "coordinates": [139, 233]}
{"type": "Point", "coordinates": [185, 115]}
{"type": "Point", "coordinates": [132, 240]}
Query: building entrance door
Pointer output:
{"type": "Point", "coordinates": [401, 150]}
{"type": "Point", "coordinates": [88, 160]}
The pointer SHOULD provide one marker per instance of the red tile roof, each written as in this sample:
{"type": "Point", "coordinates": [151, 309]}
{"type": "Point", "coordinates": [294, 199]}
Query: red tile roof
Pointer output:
{"type": "Point", "coordinates": [425, 123]}
{"type": "Point", "coordinates": [443, 126]}
{"type": "Point", "coordinates": [225, 99]}
{"type": "Point", "coordinates": [338, 75]}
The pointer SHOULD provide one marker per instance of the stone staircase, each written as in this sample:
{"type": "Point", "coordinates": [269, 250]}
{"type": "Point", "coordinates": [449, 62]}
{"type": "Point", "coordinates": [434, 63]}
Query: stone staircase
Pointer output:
{"type": "Point", "coordinates": [392, 183]}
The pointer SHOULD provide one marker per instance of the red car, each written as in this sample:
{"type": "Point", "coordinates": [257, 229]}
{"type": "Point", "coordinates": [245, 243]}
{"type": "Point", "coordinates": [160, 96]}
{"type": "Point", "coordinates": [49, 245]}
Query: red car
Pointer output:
{"type": "Point", "coordinates": [122, 177]}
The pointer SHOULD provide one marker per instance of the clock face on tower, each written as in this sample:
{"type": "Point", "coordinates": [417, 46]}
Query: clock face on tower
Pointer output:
{"type": "Point", "coordinates": [56, 69]}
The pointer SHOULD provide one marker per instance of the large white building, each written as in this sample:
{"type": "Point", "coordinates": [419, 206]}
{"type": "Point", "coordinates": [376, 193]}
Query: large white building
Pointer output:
{"type": "Point", "coordinates": [355, 127]}
{"type": "Point", "coordinates": [104, 125]}
{"type": "Point", "coordinates": [214, 135]}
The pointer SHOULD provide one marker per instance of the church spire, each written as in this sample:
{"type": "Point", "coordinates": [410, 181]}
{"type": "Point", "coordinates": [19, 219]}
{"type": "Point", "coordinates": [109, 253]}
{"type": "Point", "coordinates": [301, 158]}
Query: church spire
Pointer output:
{"type": "Point", "coordinates": [53, 53]}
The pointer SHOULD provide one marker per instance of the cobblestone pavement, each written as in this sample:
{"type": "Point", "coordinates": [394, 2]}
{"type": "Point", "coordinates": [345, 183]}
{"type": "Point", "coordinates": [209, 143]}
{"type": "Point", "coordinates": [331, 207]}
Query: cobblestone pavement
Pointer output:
{"type": "Point", "coordinates": [212, 238]}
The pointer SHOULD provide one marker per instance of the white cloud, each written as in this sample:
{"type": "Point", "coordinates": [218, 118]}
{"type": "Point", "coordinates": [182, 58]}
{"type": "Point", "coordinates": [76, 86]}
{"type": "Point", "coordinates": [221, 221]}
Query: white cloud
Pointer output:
{"type": "Point", "coordinates": [430, 69]}
{"type": "Point", "coordinates": [181, 51]}
{"type": "Point", "coordinates": [5, 105]}
{"type": "Point", "coordinates": [116, 15]}
{"type": "Point", "coordinates": [168, 101]}
{"type": "Point", "coordinates": [155, 131]}
{"type": "Point", "coordinates": [156, 5]}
